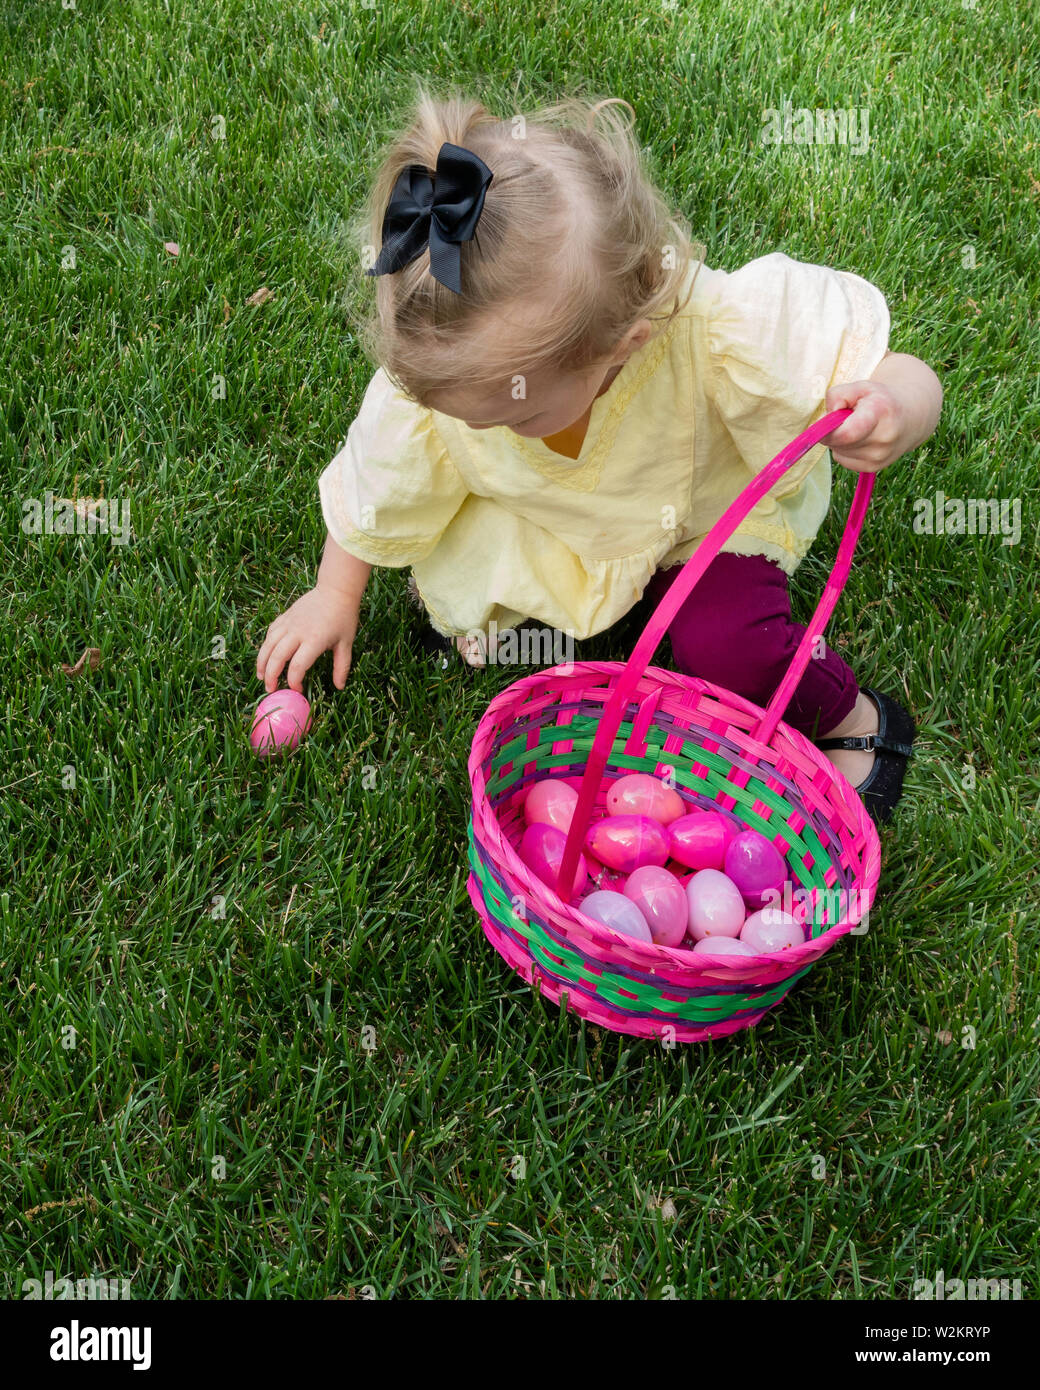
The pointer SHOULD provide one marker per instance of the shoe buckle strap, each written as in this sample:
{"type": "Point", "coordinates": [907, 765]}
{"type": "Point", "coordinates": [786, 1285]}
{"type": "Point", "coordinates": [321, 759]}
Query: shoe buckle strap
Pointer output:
{"type": "Point", "coordinates": [892, 746]}
{"type": "Point", "coordinates": [868, 743]}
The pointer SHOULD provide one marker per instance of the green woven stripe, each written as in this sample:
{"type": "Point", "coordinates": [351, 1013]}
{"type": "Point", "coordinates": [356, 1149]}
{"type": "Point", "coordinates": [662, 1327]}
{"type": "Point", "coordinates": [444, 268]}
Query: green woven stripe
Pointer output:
{"type": "Point", "coordinates": [708, 1008]}
{"type": "Point", "coordinates": [582, 733]}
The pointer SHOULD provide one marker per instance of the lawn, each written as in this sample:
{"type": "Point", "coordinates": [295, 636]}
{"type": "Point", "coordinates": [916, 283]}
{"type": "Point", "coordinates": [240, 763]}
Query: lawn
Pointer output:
{"type": "Point", "coordinates": [254, 1043]}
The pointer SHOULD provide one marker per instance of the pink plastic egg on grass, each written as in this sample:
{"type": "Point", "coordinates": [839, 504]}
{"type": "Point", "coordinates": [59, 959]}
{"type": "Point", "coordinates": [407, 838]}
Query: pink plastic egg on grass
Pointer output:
{"type": "Point", "coordinates": [614, 910]}
{"type": "Point", "coordinates": [627, 842]}
{"type": "Point", "coordinates": [281, 720]}
{"type": "Point", "coordinates": [639, 794]}
{"type": "Point", "coordinates": [550, 802]}
{"type": "Point", "coordinates": [661, 900]}
{"type": "Point", "coordinates": [723, 946]}
{"type": "Point", "coordinates": [700, 839]}
{"type": "Point", "coordinates": [541, 849]}
{"type": "Point", "coordinates": [716, 907]}
{"type": "Point", "coordinates": [755, 866]}
{"type": "Point", "coordinates": [771, 930]}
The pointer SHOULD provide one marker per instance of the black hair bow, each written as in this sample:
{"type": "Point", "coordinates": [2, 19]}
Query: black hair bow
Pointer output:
{"type": "Point", "coordinates": [442, 209]}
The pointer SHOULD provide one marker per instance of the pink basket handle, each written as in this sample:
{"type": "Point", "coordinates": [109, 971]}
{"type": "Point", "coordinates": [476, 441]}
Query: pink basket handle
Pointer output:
{"type": "Point", "coordinates": [666, 610]}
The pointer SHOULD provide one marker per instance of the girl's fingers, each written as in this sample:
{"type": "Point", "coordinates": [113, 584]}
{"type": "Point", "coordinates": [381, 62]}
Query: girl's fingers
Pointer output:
{"type": "Point", "coordinates": [306, 653]}
{"type": "Point", "coordinates": [279, 656]}
{"type": "Point", "coordinates": [274, 632]}
{"type": "Point", "coordinates": [340, 664]}
{"type": "Point", "coordinates": [849, 432]}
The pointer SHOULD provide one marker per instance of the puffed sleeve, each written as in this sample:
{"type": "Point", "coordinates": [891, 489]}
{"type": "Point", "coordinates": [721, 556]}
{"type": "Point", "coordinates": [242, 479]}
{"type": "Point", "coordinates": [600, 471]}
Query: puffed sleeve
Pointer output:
{"type": "Point", "coordinates": [390, 492]}
{"type": "Point", "coordinates": [780, 334]}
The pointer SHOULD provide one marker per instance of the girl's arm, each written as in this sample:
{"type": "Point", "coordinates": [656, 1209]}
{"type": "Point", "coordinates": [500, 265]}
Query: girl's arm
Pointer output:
{"type": "Point", "coordinates": [893, 412]}
{"type": "Point", "coordinates": [341, 573]}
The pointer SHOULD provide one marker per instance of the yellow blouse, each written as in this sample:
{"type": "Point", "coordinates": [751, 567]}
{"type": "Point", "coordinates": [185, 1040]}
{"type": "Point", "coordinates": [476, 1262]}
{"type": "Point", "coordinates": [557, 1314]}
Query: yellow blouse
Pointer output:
{"type": "Point", "coordinates": [495, 526]}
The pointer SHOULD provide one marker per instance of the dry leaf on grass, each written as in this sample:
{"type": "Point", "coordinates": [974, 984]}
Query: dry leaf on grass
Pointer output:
{"type": "Point", "coordinates": [91, 656]}
{"type": "Point", "coordinates": [262, 295]}
{"type": "Point", "coordinates": [227, 311]}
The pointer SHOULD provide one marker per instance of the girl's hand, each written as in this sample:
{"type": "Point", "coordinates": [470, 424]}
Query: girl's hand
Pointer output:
{"type": "Point", "coordinates": [319, 620]}
{"type": "Point", "coordinates": [893, 412]}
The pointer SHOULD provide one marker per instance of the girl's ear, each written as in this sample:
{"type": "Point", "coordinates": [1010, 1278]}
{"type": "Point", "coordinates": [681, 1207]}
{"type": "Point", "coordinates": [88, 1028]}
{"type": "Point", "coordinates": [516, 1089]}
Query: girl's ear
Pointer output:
{"type": "Point", "coordinates": [637, 335]}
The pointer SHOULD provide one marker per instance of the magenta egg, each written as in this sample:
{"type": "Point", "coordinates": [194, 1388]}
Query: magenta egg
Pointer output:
{"type": "Point", "coordinates": [722, 946]}
{"type": "Point", "coordinates": [661, 900]}
{"type": "Point", "coordinates": [541, 849]}
{"type": "Point", "coordinates": [771, 930]}
{"type": "Point", "coordinates": [281, 720]}
{"type": "Point", "coordinates": [716, 907]}
{"type": "Point", "coordinates": [639, 794]}
{"type": "Point", "coordinates": [627, 842]}
{"type": "Point", "coordinates": [550, 802]}
{"type": "Point", "coordinates": [755, 866]}
{"type": "Point", "coordinates": [616, 911]}
{"type": "Point", "coordinates": [699, 840]}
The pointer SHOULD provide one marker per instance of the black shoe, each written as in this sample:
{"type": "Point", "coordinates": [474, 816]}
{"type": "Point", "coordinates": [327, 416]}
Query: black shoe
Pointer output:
{"type": "Point", "coordinates": [431, 642]}
{"type": "Point", "coordinates": [893, 747]}
{"type": "Point", "coordinates": [442, 650]}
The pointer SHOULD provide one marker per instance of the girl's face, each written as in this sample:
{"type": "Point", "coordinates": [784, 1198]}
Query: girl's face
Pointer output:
{"type": "Point", "coordinates": [552, 402]}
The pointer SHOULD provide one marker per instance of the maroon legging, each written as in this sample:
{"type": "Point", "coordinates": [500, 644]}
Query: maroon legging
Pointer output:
{"type": "Point", "coordinates": [735, 629]}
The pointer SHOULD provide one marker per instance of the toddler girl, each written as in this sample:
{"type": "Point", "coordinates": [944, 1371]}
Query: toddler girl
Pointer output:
{"type": "Point", "coordinates": [568, 399]}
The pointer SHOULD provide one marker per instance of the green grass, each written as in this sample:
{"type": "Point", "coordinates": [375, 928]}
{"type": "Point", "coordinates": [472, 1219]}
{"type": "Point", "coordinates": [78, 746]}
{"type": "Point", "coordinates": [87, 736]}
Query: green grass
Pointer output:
{"type": "Point", "coordinates": [238, 1030]}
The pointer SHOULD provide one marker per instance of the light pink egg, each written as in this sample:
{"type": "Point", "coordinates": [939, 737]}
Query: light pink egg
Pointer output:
{"type": "Point", "coordinates": [639, 794]}
{"type": "Point", "coordinates": [550, 802]}
{"type": "Point", "coordinates": [627, 842]}
{"type": "Point", "coordinates": [616, 911]}
{"type": "Point", "coordinates": [281, 720]}
{"type": "Point", "coordinates": [661, 900]}
{"type": "Point", "coordinates": [771, 930]}
{"type": "Point", "coordinates": [722, 946]}
{"type": "Point", "coordinates": [541, 849]}
{"type": "Point", "coordinates": [699, 840]}
{"type": "Point", "coordinates": [716, 907]}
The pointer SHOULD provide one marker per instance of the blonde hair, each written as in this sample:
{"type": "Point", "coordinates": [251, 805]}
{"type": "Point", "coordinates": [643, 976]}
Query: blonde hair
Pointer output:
{"type": "Point", "coordinates": [572, 227]}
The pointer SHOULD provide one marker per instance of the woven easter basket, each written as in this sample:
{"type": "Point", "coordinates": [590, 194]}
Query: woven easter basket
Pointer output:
{"type": "Point", "coordinates": [593, 722]}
